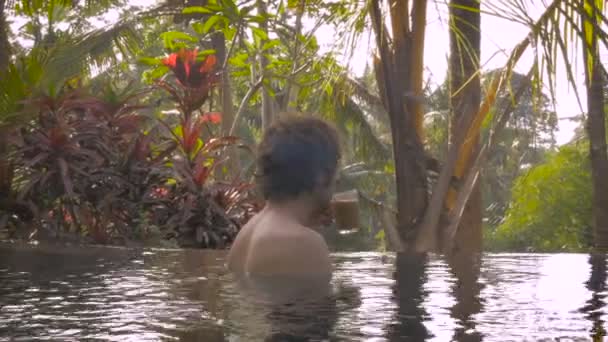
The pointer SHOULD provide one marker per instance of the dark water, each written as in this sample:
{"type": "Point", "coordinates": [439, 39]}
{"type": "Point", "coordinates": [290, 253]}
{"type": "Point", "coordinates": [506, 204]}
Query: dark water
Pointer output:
{"type": "Point", "coordinates": [151, 295]}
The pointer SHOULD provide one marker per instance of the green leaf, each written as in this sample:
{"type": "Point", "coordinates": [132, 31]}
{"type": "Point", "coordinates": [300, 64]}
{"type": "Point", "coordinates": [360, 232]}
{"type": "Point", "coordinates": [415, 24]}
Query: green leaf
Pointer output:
{"type": "Point", "coordinates": [487, 121]}
{"type": "Point", "coordinates": [206, 52]}
{"type": "Point", "coordinates": [229, 32]}
{"type": "Point", "coordinates": [150, 61]}
{"type": "Point", "coordinates": [210, 23]}
{"type": "Point", "coordinates": [239, 60]}
{"type": "Point", "coordinates": [243, 72]}
{"type": "Point", "coordinates": [259, 33]}
{"type": "Point", "coordinates": [270, 57]}
{"type": "Point", "coordinates": [178, 131]}
{"type": "Point", "coordinates": [198, 27]}
{"type": "Point", "coordinates": [230, 8]}
{"type": "Point", "coordinates": [150, 75]}
{"type": "Point", "coordinates": [170, 37]}
{"type": "Point", "coordinates": [270, 44]}
{"type": "Point", "coordinates": [259, 19]}
{"type": "Point", "coordinates": [198, 147]}
{"type": "Point", "coordinates": [389, 168]}
{"type": "Point", "coordinates": [198, 9]}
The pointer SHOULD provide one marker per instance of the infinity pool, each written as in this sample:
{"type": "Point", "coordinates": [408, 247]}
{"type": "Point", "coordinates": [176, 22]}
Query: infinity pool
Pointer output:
{"type": "Point", "coordinates": [186, 295]}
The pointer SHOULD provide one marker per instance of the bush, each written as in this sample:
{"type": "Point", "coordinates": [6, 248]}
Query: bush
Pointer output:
{"type": "Point", "coordinates": [95, 167]}
{"type": "Point", "coordinates": [551, 206]}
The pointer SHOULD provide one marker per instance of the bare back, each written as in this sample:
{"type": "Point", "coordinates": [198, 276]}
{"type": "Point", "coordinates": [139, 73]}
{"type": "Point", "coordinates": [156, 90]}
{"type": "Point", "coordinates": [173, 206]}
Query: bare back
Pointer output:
{"type": "Point", "coordinates": [273, 245]}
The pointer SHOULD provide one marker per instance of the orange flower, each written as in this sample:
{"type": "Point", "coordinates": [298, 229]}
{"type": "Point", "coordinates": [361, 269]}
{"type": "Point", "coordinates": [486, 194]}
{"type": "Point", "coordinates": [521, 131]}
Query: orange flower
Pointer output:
{"type": "Point", "coordinates": [192, 73]}
{"type": "Point", "coordinates": [213, 117]}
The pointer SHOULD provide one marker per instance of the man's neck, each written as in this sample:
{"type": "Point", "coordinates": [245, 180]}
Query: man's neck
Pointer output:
{"type": "Point", "coordinates": [299, 210]}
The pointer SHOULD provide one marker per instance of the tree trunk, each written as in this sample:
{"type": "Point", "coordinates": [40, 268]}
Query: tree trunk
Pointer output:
{"type": "Point", "coordinates": [6, 169]}
{"type": "Point", "coordinates": [465, 39]}
{"type": "Point", "coordinates": [5, 49]}
{"type": "Point", "coordinates": [267, 106]}
{"type": "Point", "coordinates": [397, 70]}
{"type": "Point", "coordinates": [218, 41]}
{"type": "Point", "coordinates": [462, 156]}
{"type": "Point", "coordinates": [596, 126]}
{"type": "Point", "coordinates": [290, 93]}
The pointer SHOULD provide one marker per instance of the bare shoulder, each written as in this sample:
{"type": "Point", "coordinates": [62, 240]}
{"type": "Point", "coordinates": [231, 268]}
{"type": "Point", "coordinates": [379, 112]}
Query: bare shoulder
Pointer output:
{"type": "Point", "coordinates": [297, 251]}
{"type": "Point", "coordinates": [240, 247]}
{"type": "Point", "coordinates": [310, 242]}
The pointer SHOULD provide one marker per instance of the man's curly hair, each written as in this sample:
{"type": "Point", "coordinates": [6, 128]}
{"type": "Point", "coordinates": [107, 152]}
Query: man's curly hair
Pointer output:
{"type": "Point", "coordinates": [295, 153]}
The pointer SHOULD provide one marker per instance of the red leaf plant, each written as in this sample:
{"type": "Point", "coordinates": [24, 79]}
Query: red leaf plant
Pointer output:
{"type": "Point", "coordinates": [95, 167]}
{"type": "Point", "coordinates": [190, 72]}
{"type": "Point", "coordinates": [195, 79]}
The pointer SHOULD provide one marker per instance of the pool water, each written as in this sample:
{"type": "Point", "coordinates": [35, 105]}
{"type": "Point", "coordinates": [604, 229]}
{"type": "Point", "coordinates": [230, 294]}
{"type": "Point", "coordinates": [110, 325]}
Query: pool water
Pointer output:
{"type": "Point", "coordinates": [116, 294]}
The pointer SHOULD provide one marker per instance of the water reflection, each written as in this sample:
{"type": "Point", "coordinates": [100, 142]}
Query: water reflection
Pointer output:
{"type": "Point", "coordinates": [594, 306]}
{"type": "Point", "coordinates": [408, 292]}
{"type": "Point", "coordinates": [118, 294]}
{"type": "Point", "coordinates": [466, 268]}
{"type": "Point", "coordinates": [39, 295]}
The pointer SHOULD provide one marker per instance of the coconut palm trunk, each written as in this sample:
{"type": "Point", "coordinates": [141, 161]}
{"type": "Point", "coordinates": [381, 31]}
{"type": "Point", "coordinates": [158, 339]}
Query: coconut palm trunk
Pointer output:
{"type": "Point", "coordinates": [596, 121]}
{"type": "Point", "coordinates": [465, 91]}
{"type": "Point", "coordinates": [399, 68]}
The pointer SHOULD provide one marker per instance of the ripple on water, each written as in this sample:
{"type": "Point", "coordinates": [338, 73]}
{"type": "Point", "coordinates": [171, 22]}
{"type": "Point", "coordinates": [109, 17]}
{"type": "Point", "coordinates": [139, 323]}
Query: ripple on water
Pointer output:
{"type": "Point", "coordinates": [172, 295]}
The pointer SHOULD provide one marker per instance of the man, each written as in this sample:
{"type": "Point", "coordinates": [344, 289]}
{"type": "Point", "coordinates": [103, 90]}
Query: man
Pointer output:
{"type": "Point", "coordinates": [297, 163]}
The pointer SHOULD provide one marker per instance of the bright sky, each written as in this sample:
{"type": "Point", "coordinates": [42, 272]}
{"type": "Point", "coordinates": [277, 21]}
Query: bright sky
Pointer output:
{"type": "Point", "coordinates": [499, 36]}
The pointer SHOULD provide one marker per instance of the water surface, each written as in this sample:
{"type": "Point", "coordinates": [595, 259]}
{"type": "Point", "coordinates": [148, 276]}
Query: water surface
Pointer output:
{"type": "Point", "coordinates": [186, 295]}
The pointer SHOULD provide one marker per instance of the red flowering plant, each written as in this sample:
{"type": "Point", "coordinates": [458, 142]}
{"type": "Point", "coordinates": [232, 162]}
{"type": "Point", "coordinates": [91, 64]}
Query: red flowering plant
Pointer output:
{"type": "Point", "coordinates": [192, 210]}
{"type": "Point", "coordinates": [195, 79]}
{"type": "Point", "coordinates": [84, 165]}
{"type": "Point", "coordinates": [97, 168]}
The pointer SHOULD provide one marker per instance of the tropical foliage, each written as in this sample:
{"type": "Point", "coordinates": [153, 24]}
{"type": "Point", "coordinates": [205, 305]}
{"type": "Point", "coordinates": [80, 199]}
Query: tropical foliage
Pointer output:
{"type": "Point", "coordinates": [98, 167]}
{"type": "Point", "coordinates": [551, 206]}
{"type": "Point", "coordinates": [129, 129]}
{"type": "Point", "coordinates": [526, 138]}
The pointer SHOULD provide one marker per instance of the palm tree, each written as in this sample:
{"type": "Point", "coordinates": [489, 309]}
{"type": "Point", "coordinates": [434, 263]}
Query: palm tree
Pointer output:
{"type": "Point", "coordinates": [399, 68]}
{"type": "Point", "coordinates": [547, 34]}
{"type": "Point", "coordinates": [465, 97]}
{"type": "Point", "coordinates": [595, 82]}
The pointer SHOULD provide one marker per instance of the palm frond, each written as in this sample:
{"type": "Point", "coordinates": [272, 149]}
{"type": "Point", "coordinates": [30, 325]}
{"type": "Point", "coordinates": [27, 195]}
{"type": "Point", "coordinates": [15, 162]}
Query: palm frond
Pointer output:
{"type": "Point", "coordinates": [361, 139]}
{"type": "Point", "coordinates": [18, 82]}
{"type": "Point", "coordinates": [362, 93]}
{"type": "Point", "coordinates": [86, 8]}
{"type": "Point", "coordinates": [555, 35]}
{"type": "Point", "coordinates": [94, 48]}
